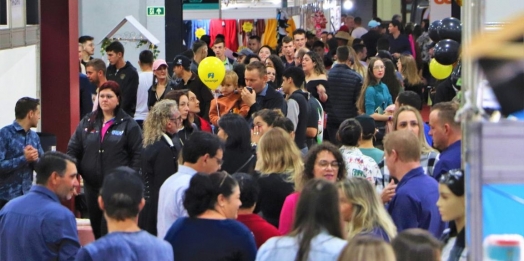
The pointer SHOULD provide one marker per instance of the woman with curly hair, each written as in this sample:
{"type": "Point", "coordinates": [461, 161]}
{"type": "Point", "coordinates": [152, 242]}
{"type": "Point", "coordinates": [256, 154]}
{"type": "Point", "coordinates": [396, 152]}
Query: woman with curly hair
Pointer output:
{"type": "Point", "coordinates": [275, 62]}
{"type": "Point", "coordinates": [323, 161]}
{"type": "Point", "coordinates": [159, 160]}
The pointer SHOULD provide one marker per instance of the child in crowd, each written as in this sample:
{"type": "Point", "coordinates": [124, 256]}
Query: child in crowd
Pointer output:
{"type": "Point", "coordinates": [229, 101]}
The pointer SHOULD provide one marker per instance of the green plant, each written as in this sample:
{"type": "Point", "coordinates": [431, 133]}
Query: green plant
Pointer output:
{"type": "Point", "coordinates": [152, 47]}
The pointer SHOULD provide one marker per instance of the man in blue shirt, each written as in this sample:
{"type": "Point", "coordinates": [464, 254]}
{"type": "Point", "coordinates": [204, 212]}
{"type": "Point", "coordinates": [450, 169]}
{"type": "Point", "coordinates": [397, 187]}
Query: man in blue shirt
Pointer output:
{"type": "Point", "coordinates": [36, 226]}
{"type": "Point", "coordinates": [398, 43]}
{"type": "Point", "coordinates": [414, 204]}
{"type": "Point", "coordinates": [121, 199]}
{"type": "Point", "coordinates": [19, 150]}
{"type": "Point", "coordinates": [447, 137]}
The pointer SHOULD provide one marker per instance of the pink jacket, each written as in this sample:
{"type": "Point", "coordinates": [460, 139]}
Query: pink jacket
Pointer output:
{"type": "Point", "coordinates": [287, 215]}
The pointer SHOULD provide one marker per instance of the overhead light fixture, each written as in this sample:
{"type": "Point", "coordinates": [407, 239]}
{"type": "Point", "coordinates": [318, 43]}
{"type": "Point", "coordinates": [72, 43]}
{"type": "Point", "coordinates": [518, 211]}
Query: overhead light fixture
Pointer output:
{"type": "Point", "coordinates": [348, 5]}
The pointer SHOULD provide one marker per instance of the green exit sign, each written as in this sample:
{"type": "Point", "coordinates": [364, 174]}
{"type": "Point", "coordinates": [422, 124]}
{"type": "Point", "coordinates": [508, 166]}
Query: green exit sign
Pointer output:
{"type": "Point", "coordinates": [156, 11]}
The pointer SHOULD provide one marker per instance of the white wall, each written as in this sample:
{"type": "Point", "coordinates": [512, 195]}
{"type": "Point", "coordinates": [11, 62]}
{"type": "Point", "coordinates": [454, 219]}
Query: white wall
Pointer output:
{"type": "Point", "coordinates": [502, 10]}
{"type": "Point", "coordinates": [386, 9]}
{"type": "Point", "coordinates": [18, 78]}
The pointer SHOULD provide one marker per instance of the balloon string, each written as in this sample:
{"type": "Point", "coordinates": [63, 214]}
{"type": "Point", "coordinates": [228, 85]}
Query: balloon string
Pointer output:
{"type": "Point", "coordinates": [216, 101]}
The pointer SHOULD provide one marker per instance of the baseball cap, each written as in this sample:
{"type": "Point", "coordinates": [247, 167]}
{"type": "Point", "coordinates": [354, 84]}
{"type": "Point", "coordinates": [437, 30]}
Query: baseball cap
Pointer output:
{"type": "Point", "coordinates": [373, 24]}
{"type": "Point", "coordinates": [367, 123]}
{"type": "Point", "coordinates": [243, 52]}
{"type": "Point", "coordinates": [182, 61]}
{"type": "Point", "coordinates": [158, 62]}
{"type": "Point", "coordinates": [122, 188]}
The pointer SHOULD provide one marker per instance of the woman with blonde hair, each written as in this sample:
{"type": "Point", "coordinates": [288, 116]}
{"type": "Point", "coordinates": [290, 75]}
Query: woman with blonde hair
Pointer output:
{"type": "Point", "coordinates": [409, 118]}
{"type": "Point", "coordinates": [407, 66]}
{"type": "Point", "coordinates": [362, 210]}
{"type": "Point", "coordinates": [278, 160]}
{"type": "Point", "coordinates": [366, 248]}
{"type": "Point", "coordinates": [316, 75]}
{"type": "Point", "coordinates": [159, 158]}
{"type": "Point", "coordinates": [356, 65]}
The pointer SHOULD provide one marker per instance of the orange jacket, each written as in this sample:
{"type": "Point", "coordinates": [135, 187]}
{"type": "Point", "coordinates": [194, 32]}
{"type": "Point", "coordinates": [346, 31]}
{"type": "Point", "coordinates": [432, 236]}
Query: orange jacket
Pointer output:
{"type": "Point", "coordinates": [230, 103]}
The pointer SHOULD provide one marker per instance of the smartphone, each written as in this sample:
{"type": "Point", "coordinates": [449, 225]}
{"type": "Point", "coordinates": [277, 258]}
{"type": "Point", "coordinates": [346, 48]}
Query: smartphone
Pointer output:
{"type": "Point", "coordinates": [249, 89]}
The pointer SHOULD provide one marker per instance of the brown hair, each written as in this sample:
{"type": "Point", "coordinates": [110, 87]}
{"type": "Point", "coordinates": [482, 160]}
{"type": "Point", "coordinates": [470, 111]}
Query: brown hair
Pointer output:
{"type": "Point", "coordinates": [97, 64]}
{"type": "Point", "coordinates": [259, 66]}
{"type": "Point", "coordinates": [409, 69]}
{"type": "Point", "coordinates": [369, 80]}
{"type": "Point", "coordinates": [405, 143]}
{"type": "Point", "coordinates": [425, 148]}
{"type": "Point", "coordinates": [309, 164]}
{"type": "Point", "coordinates": [287, 39]}
{"type": "Point", "coordinates": [446, 113]}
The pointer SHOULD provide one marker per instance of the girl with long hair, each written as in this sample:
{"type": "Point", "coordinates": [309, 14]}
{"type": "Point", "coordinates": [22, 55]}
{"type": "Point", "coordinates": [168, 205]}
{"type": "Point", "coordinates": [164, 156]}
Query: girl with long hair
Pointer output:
{"type": "Point", "coordinates": [316, 75]}
{"type": "Point", "coordinates": [278, 160]}
{"type": "Point", "coordinates": [323, 161]}
{"type": "Point", "coordinates": [239, 155]}
{"type": "Point", "coordinates": [363, 211]}
{"type": "Point", "coordinates": [275, 61]}
{"type": "Point", "coordinates": [407, 66]}
{"type": "Point", "coordinates": [264, 52]}
{"type": "Point", "coordinates": [356, 65]}
{"type": "Point", "coordinates": [159, 159]}
{"type": "Point", "coordinates": [391, 80]}
{"type": "Point", "coordinates": [316, 233]}
{"type": "Point", "coordinates": [375, 97]}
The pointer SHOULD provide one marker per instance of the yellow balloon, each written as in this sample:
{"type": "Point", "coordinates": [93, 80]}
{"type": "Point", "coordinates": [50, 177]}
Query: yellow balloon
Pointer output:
{"type": "Point", "coordinates": [439, 71]}
{"type": "Point", "coordinates": [211, 72]}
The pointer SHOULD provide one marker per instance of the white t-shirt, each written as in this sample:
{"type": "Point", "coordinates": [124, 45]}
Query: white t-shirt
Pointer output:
{"type": "Point", "coordinates": [358, 32]}
{"type": "Point", "coordinates": [145, 80]}
{"type": "Point", "coordinates": [171, 199]}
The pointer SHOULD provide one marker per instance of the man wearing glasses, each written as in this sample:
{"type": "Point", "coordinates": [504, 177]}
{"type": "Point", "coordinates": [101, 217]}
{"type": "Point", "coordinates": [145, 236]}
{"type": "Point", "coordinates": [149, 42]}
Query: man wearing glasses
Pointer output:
{"type": "Point", "coordinates": [202, 153]}
{"type": "Point", "coordinates": [414, 204]}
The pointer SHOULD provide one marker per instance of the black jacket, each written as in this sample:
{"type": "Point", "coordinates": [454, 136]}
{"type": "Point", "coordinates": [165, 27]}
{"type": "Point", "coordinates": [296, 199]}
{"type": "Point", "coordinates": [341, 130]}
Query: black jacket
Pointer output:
{"type": "Point", "coordinates": [238, 160]}
{"type": "Point", "coordinates": [151, 93]}
{"type": "Point", "coordinates": [344, 89]}
{"type": "Point", "coordinates": [127, 78]}
{"type": "Point", "coordinates": [272, 100]}
{"type": "Point", "coordinates": [303, 108]}
{"type": "Point", "coordinates": [159, 162]}
{"type": "Point", "coordinates": [370, 40]}
{"type": "Point", "coordinates": [86, 101]}
{"type": "Point", "coordinates": [122, 146]}
{"type": "Point", "coordinates": [203, 94]}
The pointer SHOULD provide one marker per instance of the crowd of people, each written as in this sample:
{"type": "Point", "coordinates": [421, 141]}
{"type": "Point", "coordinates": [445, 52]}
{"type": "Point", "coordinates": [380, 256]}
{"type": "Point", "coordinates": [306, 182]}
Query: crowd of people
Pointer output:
{"type": "Point", "coordinates": [314, 151]}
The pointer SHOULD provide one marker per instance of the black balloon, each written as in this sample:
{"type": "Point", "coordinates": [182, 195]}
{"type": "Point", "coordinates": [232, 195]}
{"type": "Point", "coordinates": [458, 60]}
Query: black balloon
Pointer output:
{"type": "Point", "coordinates": [456, 74]}
{"type": "Point", "coordinates": [447, 51]}
{"type": "Point", "coordinates": [450, 28]}
{"type": "Point", "coordinates": [433, 30]}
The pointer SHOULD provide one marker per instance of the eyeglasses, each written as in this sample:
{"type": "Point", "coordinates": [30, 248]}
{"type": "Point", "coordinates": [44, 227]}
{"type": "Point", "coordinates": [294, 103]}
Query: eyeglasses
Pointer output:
{"type": "Point", "coordinates": [176, 120]}
{"type": "Point", "coordinates": [325, 164]}
{"type": "Point", "coordinates": [219, 160]}
{"type": "Point", "coordinates": [379, 67]}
